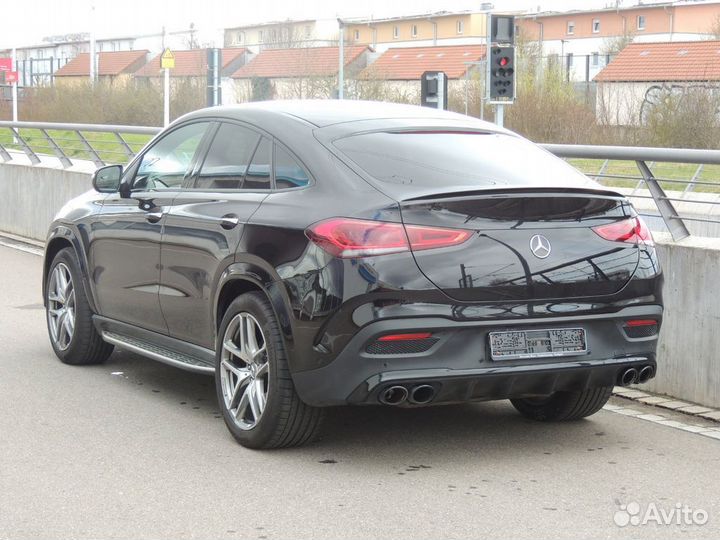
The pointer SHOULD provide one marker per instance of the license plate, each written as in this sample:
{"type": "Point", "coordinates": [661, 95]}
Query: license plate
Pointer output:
{"type": "Point", "coordinates": [537, 343]}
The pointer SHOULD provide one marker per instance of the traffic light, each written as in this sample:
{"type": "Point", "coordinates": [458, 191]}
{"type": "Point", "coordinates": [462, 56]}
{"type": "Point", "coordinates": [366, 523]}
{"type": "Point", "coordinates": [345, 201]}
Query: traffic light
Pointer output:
{"type": "Point", "coordinates": [502, 73]}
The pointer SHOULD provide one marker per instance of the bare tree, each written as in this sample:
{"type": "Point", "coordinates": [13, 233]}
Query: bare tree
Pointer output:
{"type": "Point", "coordinates": [714, 29]}
{"type": "Point", "coordinates": [613, 45]}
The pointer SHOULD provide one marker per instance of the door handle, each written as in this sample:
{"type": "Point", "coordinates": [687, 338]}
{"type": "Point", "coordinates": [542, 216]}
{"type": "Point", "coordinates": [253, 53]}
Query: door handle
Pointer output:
{"type": "Point", "coordinates": [229, 221]}
{"type": "Point", "coordinates": [154, 216]}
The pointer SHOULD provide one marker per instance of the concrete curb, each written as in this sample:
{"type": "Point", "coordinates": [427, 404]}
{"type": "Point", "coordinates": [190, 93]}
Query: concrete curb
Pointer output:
{"type": "Point", "coordinates": [665, 402]}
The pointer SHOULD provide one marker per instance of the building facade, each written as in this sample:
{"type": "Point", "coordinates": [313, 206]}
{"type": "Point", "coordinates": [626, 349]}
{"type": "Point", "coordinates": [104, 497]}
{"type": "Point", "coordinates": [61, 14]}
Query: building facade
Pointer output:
{"type": "Point", "coordinates": [583, 41]}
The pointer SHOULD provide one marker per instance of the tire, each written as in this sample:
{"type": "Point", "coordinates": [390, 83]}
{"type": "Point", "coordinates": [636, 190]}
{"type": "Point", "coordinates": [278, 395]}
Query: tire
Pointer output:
{"type": "Point", "coordinates": [85, 346]}
{"type": "Point", "coordinates": [283, 419]}
{"type": "Point", "coordinates": [562, 406]}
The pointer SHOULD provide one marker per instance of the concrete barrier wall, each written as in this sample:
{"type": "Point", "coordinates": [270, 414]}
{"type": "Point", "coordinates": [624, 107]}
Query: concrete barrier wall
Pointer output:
{"type": "Point", "coordinates": [689, 348]}
{"type": "Point", "coordinates": [31, 196]}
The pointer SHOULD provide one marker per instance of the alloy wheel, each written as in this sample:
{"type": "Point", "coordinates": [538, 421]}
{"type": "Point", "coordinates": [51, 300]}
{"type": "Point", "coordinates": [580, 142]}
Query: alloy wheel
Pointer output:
{"type": "Point", "coordinates": [61, 306]}
{"type": "Point", "coordinates": [244, 370]}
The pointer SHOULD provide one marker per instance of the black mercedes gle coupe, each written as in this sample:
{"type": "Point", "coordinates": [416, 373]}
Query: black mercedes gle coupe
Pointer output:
{"type": "Point", "coordinates": [319, 253]}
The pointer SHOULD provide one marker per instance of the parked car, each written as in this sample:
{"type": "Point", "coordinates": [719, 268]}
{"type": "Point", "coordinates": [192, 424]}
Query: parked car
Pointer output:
{"type": "Point", "coordinates": [319, 253]}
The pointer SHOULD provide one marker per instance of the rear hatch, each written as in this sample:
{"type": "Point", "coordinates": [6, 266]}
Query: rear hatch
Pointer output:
{"type": "Point", "coordinates": [525, 245]}
{"type": "Point", "coordinates": [511, 194]}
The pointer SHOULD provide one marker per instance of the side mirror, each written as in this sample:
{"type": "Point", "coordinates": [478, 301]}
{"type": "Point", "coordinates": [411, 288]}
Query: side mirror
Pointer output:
{"type": "Point", "coordinates": [107, 179]}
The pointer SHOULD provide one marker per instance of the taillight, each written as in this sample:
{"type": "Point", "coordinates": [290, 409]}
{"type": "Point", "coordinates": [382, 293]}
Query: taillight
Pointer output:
{"type": "Point", "coordinates": [346, 238]}
{"type": "Point", "coordinates": [633, 231]}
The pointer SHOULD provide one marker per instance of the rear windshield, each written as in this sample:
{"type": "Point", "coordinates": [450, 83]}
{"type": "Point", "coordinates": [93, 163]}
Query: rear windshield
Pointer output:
{"type": "Point", "coordinates": [458, 160]}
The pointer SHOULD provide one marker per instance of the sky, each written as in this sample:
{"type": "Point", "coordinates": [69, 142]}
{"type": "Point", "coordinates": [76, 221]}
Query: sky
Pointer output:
{"type": "Point", "coordinates": [27, 22]}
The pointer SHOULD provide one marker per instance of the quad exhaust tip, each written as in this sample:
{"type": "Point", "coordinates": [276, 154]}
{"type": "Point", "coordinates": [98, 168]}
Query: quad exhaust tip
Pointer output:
{"type": "Point", "coordinates": [635, 376]}
{"type": "Point", "coordinates": [628, 377]}
{"type": "Point", "coordinates": [645, 374]}
{"type": "Point", "coordinates": [422, 394]}
{"type": "Point", "coordinates": [393, 395]}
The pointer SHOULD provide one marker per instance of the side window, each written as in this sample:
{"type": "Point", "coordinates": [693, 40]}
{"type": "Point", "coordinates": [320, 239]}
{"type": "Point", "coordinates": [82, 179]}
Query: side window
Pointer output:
{"type": "Point", "coordinates": [258, 174]}
{"type": "Point", "coordinates": [167, 162]}
{"type": "Point", "coordinates": [227, 159]}
{"type": "Point", "coordinates": [288, 172]}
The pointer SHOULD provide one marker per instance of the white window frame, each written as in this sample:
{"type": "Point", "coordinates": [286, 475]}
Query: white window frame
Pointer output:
{"type": "Point", "coordinates": [396, 32]}
{"type": "Point", "coordinates": [260, 36]}
{"type": "Point", "coordinates": [460, 26]}
{"type": "Point", "coordinates": [596, 26]}
{"type": "Point", "coordinates": [638, 25]}
{"type": "Point", "coordinates": [413, 30]}
{"type": "Point", "coordinates": [570, 29]}
{"type": "Point", "coordinates": [356, 35]}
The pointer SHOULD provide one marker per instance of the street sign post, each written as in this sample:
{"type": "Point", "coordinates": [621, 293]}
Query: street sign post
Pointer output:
{"type": "Point", "coordinates": [167, 62]}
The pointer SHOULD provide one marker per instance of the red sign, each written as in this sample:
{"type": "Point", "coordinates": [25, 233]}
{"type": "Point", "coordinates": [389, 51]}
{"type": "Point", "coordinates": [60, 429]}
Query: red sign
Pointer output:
{"type": "Point", "coordinates": [11, 77]}
{"type": "Point", "coordinates": [6, 64]}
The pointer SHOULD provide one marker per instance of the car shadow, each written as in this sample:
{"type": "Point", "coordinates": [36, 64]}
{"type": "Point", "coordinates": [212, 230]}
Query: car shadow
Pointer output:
{"type": "Point", "coordinates": [420, 437]}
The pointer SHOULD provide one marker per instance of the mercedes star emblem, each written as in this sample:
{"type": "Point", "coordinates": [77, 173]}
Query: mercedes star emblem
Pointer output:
{"type": "Point", "coordinates": [540, 246]}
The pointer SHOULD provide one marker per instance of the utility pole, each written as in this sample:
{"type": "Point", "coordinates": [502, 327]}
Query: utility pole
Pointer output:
{"type": "Point", "coordinates": [14, 87]}
{"type": "Point", "coordinates": [341, 62]}
{"type": "Point", "coordinates": [92, 44]}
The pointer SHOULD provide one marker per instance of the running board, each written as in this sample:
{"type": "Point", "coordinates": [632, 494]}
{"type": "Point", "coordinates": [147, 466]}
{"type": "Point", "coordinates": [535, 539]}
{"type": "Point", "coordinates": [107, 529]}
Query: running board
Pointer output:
{"type": "Point", "coordinates": [155, 352]}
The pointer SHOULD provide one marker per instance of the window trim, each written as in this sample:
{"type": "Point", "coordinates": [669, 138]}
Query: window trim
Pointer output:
{"type": "Point", "coordinates": [413, 30]}
{"type": "Point", "coordinates": [134, 166]}
{"type": "Point", "coordinates": [192, 182]}
{"type": "Point", "coordinates": [311, 180]}
{"type": "Point", "coordinates": [594, 22]}
{"type": "Point", "coordinates": [190, 186]}
{"type": "Point", "coordinates": [570, 28]}
{"type": "Point", "coordinates": [396, 32]}
{"type": "Point", "coordinates": [460, 27]}
{"type": "Point", "coordinates": [637, 22]}
{"type": "Point", "coordinates": [356, 35]}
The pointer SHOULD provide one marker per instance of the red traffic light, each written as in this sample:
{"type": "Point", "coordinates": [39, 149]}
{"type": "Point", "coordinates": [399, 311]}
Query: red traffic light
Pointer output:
{"type": "Point", "coordinates": [504, 61]}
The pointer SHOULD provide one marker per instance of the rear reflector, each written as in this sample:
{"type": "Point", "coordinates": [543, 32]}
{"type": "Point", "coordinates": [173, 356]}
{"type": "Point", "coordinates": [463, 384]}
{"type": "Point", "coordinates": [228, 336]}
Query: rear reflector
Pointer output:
{"type": "Point", "coordinates": [347, 238]}
{"type": "Point", "coordinates": [641, 322]}
{"type": "Point", "coordinates": [641, 328]}
{"type": "Point", "coordinates": [406, 337]}
{"type": "Point", "coordinates": [633, 231]}
{"type": "Point", "coordinates": [413, 343]}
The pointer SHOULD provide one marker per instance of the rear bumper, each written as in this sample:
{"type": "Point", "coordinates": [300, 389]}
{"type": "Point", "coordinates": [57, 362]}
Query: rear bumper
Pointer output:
{"type": "Point", "coordinates": [459, 368]}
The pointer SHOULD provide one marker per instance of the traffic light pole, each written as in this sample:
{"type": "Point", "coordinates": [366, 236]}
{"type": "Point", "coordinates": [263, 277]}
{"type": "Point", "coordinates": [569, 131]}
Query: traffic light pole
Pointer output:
{"type": "Point", "coordinates": [500, 114]}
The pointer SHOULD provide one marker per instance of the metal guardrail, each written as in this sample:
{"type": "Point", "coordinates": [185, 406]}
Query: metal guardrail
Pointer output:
{"type": "Point", "coordinates": [103, 144]}
{"type": "Point", "coordinates": [93, 142]}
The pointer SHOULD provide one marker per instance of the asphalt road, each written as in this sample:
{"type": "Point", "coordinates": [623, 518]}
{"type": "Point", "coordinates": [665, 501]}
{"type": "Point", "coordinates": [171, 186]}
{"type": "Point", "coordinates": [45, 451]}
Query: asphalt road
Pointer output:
{"type": "Point", "coordinates": [134, 448]}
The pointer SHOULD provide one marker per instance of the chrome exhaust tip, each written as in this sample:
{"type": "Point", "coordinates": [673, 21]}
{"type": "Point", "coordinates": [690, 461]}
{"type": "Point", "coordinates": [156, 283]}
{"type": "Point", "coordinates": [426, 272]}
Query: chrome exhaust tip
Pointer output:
{"type": "Point", "coordinates": [645, 374]}
{"type": "Point", "coordinates": [628, 377]}
{"type": "Point", "coordinates": [422, 394]}
{"type": "Point", "coordinates": [393, 395]}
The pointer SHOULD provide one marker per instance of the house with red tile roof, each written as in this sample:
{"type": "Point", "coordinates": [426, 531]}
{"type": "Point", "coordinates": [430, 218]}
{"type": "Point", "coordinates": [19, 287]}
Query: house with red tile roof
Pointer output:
{"type": "Point", "coordinates": [115, 67]}
{"type": "Point", "coordinates": [643, 73]}
{"type": "Point", "coordinates": [409, 63]}
{"type": "Point", "coordinates": [302, 72]}
{"type": "Point", "coordinates": [194, 63]}
{"type": "Point", "coordinates": [398, 71]}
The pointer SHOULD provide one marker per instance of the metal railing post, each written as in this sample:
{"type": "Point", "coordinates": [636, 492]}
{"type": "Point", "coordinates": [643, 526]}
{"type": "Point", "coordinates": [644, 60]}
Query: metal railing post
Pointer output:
{"type": "Point", "coordinates": [95, 157]}
{"type": "Point", "coordinates": [32, 156]}
{"type": "Point", "coordinates": [58, 151]}
{"type": "Point", "coordinates": [673, 222]}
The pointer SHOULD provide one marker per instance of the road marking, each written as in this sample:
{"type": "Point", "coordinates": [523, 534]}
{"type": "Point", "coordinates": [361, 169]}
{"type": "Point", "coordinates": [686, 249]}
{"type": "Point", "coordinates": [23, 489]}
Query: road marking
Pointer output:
{"type": "Point", "coordinates": [707, 431]}
{"type": "Point", "coordinates": [22, 247]}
